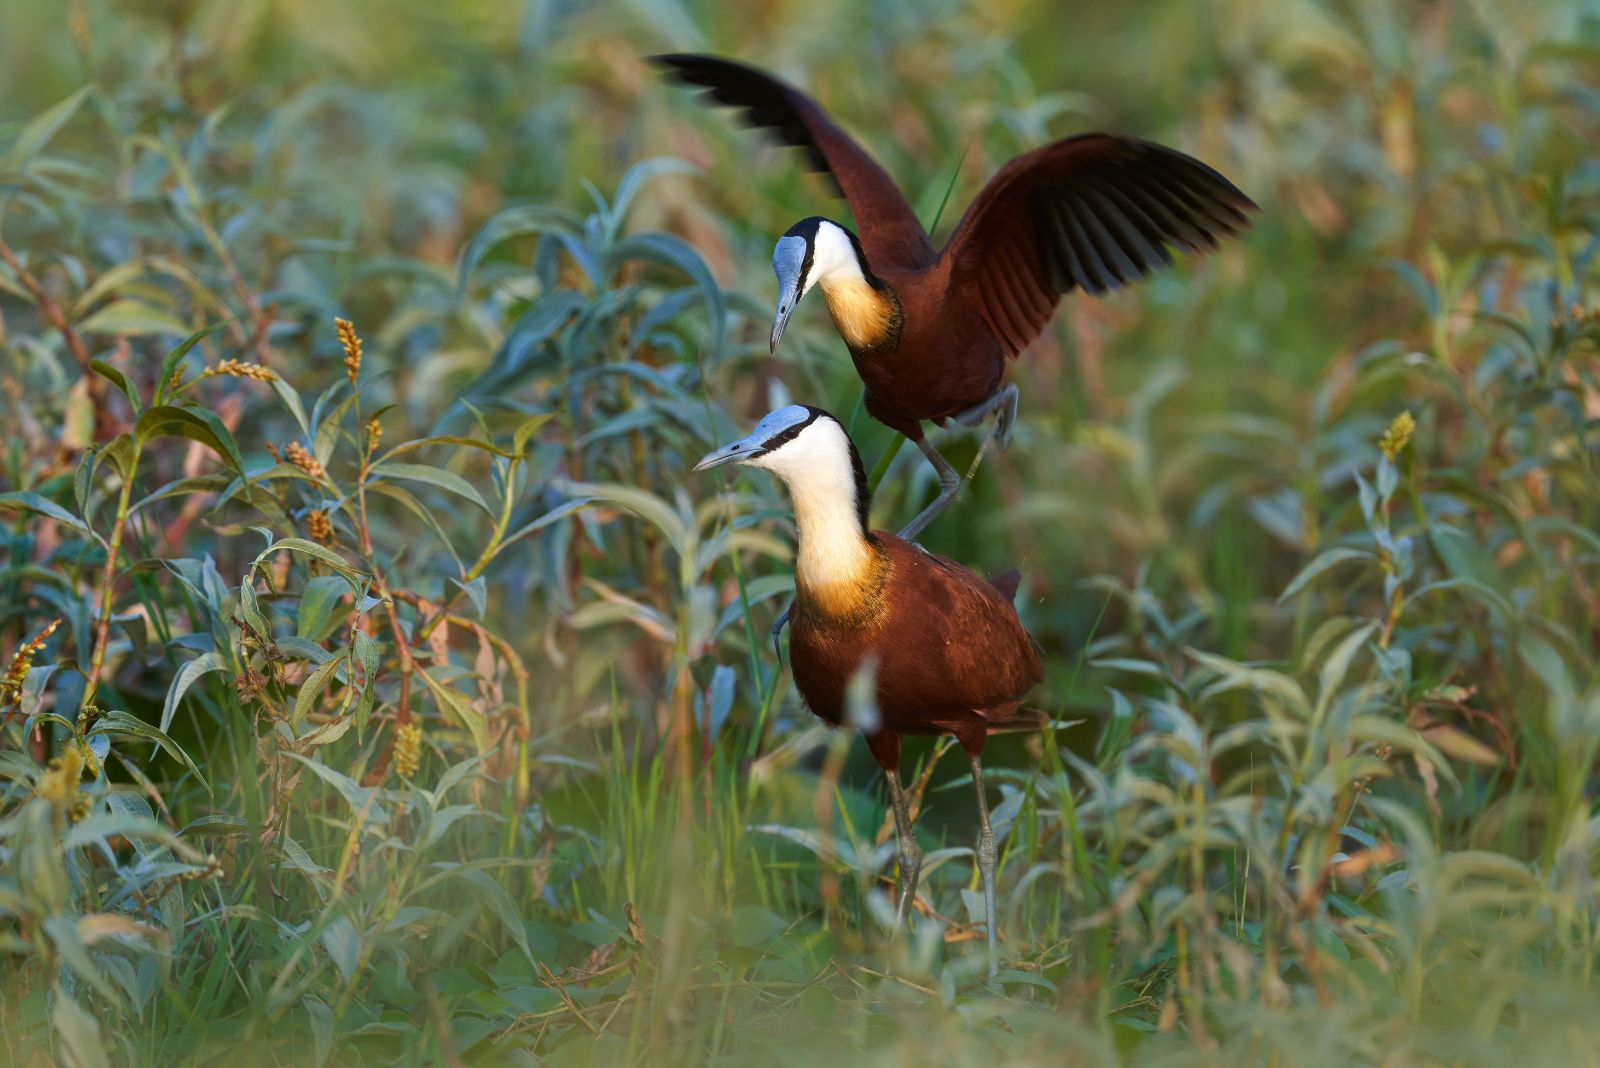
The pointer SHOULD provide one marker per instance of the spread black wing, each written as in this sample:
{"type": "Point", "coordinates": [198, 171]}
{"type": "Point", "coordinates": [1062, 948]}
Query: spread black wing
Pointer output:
{"type": "Point", "coordinates": [888, 228]}
{"type": "Point", "coordinates": [1095, 212]}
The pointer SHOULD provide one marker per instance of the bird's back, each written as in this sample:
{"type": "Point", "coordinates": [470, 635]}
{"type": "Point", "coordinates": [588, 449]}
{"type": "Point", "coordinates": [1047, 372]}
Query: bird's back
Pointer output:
{"type": "Point", "coordinates": [952, 656]}
{"type": "Point", "coordinates": [945, 361]}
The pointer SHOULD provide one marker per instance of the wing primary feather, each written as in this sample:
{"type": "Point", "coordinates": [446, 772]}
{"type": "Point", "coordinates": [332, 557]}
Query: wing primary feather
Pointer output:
{"type": "Point", "coordinates": [1099, 276]}
{"type": "Point", "coordinates": [1216, 204]}
{"type": "Point", "coordinates": [1111, 252]}
{"type": "Point", "coordinates": [1053, 257]}
{"type": "Point", "coordinates": [1207, 176]}
{"type": "Point", "coordinates": [1137, 219]}
{"type": "Point", "coordinates": [1204, 201]}
{"type": "Point", "coordinates": [1197, 203]}
{"type": "Point", "coordinates": [1067, 246]}
{"type": "Point", "coordinates": [1115, 216]}
{"type": "Point", "coordinates": [1182, 228]}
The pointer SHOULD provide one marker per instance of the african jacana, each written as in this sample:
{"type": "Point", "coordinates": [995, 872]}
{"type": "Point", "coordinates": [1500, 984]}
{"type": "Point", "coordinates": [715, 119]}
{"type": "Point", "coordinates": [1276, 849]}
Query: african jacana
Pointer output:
{"type": "Point", "coordinates": [929, 330]}
{"type": "Point", "coordinates": [947, 651]}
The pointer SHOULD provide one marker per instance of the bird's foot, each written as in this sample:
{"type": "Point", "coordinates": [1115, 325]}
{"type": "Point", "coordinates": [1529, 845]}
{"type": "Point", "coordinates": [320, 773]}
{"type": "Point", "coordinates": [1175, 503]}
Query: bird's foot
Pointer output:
{"type": "Point", "coordinates": [1003, 406]}
{"type": "Point", "coordinates": [1006, 417]}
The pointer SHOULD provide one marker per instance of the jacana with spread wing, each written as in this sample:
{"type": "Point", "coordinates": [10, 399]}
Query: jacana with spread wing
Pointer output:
{"type": "Point", "coordinates": [947, 653]}
{"type": "Point", "coordinates": [929, 330]}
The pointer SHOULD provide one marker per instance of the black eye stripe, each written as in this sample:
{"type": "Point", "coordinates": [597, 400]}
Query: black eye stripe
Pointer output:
{"type": "Point", "coordinates": [788, 434]}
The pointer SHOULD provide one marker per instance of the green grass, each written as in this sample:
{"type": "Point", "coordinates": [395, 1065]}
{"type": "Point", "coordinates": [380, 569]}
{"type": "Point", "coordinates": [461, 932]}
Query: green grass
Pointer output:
{"type": "Point", "coordinates": [1322, 785]}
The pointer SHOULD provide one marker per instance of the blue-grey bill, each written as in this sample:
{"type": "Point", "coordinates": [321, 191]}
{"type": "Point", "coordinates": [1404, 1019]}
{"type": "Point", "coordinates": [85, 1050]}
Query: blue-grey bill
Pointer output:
{"type": "Point", "coordinates": [730, 453]}
{"type": "Point", "coordinates": [780, 321]}
{"type": "Point", "coordinates": [788, 260]}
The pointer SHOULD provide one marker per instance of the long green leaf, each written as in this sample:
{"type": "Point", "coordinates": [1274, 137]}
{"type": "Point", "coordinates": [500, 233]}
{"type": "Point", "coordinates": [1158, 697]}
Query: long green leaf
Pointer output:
{"type": "Point", "coordinates": [434, 476]}
{"type": "Point", "coordinates": [186, 677]}
{"type": "Point", "coordinates": [26, 501]}
{"type": "Point", "coordinates": [196, 424]}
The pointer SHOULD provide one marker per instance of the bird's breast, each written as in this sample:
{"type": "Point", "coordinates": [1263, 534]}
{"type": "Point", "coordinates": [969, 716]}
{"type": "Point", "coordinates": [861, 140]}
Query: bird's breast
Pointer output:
{"type": "Point", "coordinates": [867, 317]}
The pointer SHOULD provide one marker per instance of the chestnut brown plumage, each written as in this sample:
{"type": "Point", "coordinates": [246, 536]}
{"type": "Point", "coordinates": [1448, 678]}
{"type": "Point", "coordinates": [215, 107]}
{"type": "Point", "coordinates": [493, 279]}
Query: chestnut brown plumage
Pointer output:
{"type": "Point", "coordinates": [946, 651]}
{"type": "Point", "coordinates": [930, 329]}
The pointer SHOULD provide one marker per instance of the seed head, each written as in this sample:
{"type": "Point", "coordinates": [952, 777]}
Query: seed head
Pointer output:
{"type": "Point", "coordinates": [212, 870]}
{"type": "Point", "coordinates": [295, 453]}
{"type": "Point", "coordinates": [320, 526]}
{"type": "Point", "coordinates": [235, 369]}
{"type": "Point", "coordinates": [407, 750]}
{"type": "Point", "coordinates": [59, 784]}
{"type": "Point", "coordinates": [374, 433]}
{"type": "Point", "coordinates": [22, 663]}
{"type": "Point", "coordinates": [352, 348]}
{"type": "Point", "coordinates": [1399, 433]}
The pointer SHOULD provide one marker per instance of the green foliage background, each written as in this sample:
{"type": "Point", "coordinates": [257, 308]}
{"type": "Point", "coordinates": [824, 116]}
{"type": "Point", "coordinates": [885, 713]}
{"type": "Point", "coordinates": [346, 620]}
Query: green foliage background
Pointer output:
{"type": "Point", "coordinates": [452, 733]}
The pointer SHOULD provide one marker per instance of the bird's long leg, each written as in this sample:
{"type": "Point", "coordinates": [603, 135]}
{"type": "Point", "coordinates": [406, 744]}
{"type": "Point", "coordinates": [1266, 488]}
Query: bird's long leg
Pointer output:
{"type": "Point", "coordinates": [910, 852]}
{"type": "Point", "coordinates": [949, 487]}
{"type": "Point", "coordinates": [1003, 404]}
{"type": "Point", "coordinates": [986, 862]}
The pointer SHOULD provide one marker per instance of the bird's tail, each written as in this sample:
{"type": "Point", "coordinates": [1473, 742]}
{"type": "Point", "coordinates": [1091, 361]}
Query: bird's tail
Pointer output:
{"type": "Point", "coordinates": [1017, 718]}
{"type": "Point", "coordinates": [1007, 583]}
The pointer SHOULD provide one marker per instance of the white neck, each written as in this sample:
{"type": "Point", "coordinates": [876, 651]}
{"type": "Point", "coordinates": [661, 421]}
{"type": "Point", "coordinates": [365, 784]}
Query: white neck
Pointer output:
{"type": "Point", "coordinates": [816, 466]}
{"type": "Point", "coordinates": [833, 259]}
{"type": "Point", "coordinates": [832, 548]}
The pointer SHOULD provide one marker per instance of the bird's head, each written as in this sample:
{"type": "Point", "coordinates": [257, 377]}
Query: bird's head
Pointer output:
{"type": "Point", "coordinates": [807, 448]}
{"type": "Point", "coordinates": [811, 251]}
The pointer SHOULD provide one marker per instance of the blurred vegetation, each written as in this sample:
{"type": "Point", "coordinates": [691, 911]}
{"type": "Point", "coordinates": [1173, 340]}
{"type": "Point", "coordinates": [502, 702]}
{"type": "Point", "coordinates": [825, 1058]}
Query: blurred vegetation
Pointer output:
{"type": "Point", "coordinates": [390, 693]}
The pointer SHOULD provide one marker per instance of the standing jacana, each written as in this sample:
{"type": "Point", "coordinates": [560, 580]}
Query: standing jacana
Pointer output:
{"type": "Point", "coordinates": [930, 330]}
{"type": "Point", "coordinates": [948, 653]}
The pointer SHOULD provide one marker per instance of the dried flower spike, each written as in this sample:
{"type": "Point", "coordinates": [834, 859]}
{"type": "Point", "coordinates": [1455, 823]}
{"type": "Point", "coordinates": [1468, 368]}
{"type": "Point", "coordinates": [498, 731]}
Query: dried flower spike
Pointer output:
{"type": "Point", "coordinates": [320, 526]}
{"type": "Point", "coordinates": [235, 369]}
{"type": "Point", "coordinates": [295, 453]}
{"type": "Point", "coordinates": [59, 785]}
{"type": "Point", "coordinates": [1399, 433]}
{"type": "Point", "coordinates": [22, 663]}
{"type": "Point", "coordinates": [407, 750]}
{"type": "Point", "coordinates": [352, 348]}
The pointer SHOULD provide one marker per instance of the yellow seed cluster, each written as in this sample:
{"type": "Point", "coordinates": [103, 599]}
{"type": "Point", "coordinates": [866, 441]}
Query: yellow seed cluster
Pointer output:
{"type": "Point", "coordinates": [175, 383]}
{"type": "Point", "coordinates": [374, 433]}
{"type": "Point", "coordinates": [296, 453]}
{"type": "Point", "coordinates": [21, 664]}
{"type": "Point", "coordinates": [1399, 433]}
{"type": "Point", "coordinates": [320, 526]}
{"type": "Point", "coordinates": [407, 749]}
{"type": "Point", "coordinates": [212, 870]}
{"type": "Point", "coordinates": [59, 784]}
{"type": "Point", "coordinates": [235, 369]}
{"type": "Point", "coordinates": [352, 348]}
